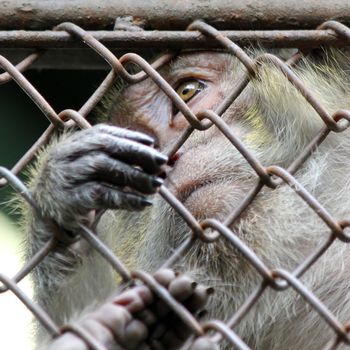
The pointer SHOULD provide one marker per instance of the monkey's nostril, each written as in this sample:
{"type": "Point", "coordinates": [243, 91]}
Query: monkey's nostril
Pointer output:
{"type": "Point", "coordinates": [172, 160]}
{"type": "Point", "coordinates": [162, 175]}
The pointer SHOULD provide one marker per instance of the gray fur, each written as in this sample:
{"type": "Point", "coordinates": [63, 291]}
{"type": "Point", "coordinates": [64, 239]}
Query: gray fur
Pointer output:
{"type": "Point", "coordinates": [276, 123]}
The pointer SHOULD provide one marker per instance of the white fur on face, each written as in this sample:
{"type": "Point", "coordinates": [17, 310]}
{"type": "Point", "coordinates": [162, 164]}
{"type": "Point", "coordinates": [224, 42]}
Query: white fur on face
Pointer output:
{"type": "Point", "coordinates": [278, 225]}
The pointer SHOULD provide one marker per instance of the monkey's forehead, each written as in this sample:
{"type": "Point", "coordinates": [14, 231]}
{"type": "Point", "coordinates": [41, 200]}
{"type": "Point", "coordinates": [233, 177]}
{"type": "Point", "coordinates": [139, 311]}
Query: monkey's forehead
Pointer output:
{"type": "Point", "coordinates": [198, 59]}
{"type": "Point", "coordinates": [213, 66]}
{"type": "Point", "coordinates": [192, 62]}
{"type": "Point", "coordinates": [216, 59]}
{"type": "Point", "coordinates": [197, 64]}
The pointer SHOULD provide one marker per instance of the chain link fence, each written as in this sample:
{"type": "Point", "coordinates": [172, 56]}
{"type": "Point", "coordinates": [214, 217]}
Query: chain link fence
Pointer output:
{"type": "Point", "coordinates": [269, 176]}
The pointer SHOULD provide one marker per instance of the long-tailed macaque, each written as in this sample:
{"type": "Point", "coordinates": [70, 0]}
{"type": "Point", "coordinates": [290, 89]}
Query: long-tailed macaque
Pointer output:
{"type": "Point", "coordinates": [95, 169]}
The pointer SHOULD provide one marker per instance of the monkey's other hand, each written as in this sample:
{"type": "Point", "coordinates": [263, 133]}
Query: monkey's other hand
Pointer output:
{"type": "Point", "coordinates": [138, 319]}
{"type": "Point", "coordinates": [167, 331]}
{"type": "Point", "coordinates": [98, 168]}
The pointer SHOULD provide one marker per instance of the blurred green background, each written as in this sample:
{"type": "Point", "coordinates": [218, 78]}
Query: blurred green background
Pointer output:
{"type": "Point", "coordinates": [21, 120]}
{"type": "Point", "coordinates": [21, 124]}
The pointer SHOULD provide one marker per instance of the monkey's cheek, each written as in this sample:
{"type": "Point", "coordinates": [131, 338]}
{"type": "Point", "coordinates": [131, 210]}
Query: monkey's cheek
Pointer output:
{"type": "Point", "coordinates": [215, 200]}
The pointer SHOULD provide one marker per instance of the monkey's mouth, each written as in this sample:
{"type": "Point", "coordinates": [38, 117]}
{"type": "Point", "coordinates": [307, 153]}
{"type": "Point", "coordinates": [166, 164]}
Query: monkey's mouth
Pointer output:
{"type": "Point", "coordinates": [184, 191]}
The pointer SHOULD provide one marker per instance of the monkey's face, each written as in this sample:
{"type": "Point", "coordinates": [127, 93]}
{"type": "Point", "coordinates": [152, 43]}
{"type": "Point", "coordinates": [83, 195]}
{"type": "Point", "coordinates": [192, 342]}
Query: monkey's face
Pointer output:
{"type": "Point", "coordinates": [211, 178]}
{"type": "Point", "coordinates": [209, 175]}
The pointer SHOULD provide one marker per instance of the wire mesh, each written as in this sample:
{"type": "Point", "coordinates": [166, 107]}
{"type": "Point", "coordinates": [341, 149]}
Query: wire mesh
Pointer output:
{"type": "Point", "coordinates": [269, 176]}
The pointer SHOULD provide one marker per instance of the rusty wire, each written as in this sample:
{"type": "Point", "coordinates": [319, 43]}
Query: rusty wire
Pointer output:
{"type": "Point", "coordinates": [270, 176]}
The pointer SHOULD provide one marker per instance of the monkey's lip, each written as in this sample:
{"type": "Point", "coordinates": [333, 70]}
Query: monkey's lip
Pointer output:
{"type": "Point", "coordinates": [184, 190]}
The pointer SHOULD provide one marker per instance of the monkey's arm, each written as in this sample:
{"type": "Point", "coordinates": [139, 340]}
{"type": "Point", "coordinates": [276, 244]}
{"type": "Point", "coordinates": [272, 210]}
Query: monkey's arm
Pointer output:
{"type": "Point", "coordinates": [88, 170]}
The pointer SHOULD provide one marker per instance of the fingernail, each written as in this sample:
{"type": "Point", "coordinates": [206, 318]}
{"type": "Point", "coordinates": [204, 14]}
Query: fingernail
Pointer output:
{"type": "Point", "coordinates": [210, 290]}
{"type": "Point", "coordinates": [157, 182]}
{"type": "Point", "coordinates": [149, 140]}
{"type": "Point", "coordinates": [162, 175]}
{"type": "Point", "coordinates": [161, 159]}
{"type": "Point", "coordinates": [194, 285]}
{"type": "Point", "coordinates": [146, 202]}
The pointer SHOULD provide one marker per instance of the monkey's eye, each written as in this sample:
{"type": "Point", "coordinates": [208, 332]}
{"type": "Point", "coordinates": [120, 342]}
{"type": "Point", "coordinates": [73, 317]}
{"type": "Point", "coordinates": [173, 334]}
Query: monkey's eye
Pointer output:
{"type": "Point", "coordinates": [190, 88]}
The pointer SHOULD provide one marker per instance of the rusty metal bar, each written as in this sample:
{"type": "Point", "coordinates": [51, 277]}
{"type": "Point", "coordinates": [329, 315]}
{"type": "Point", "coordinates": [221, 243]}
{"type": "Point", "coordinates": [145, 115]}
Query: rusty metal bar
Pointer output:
{"type": "Point", "coordinates": [158, 14]}
{"type": "Point", "coordinates": [170, 39]}
{"type": "Point", "coordinates": [17, 44]}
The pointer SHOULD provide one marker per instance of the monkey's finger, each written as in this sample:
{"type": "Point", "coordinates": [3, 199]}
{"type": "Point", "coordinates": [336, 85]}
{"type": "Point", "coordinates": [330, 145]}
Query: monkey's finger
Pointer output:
{"type": "Point", "coordinates": [114, 317]}
{"type": "Point", "coordinates": [135, 333]}
{"type": "Point", "coordinates": [164, 277]}
{"type": "Point", "coordinates": [125, 133]}
{"type": "Point", "coordinates": [100, 332]}
{"type": "Point", "coordinates": [181, 288]}
{"type": "Point", "coordinates": [193, 295]}
{"type": "Point", "coordinates": [101, 167]}
{"type": "Point", "coordinates": [95, 195]}
{"type": "Point", "coordinates": [126, 150]}
{"type": "Point", "coordinates": [68, 341]}
{"type": "Point", "coordinates": [171, 340]}
{"type": "Point", "coordinates": [159, 308]}
{"type": "Point", "coordinates": [172, 330]}
{"type": "Point", "coordinates": [149, 159]}
{"type": "Point", "coordinates": [199, 298]}
{"type": "Point", "coordinates": [171, 333]}
{"type": "Point", "coordinates": [135, 299]}
{"type": "Point", "coordinates": [147, 317]}
{"type": "Point", "coordinates": [126, 331]}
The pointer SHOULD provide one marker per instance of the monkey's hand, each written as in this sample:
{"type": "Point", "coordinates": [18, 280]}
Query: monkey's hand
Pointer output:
{"type": "Point", "coordinates": [138, 319]}
{"type": "Point", "coordinates": [101, 167]}
{"type": "Point", "coordinates": [98, 168]}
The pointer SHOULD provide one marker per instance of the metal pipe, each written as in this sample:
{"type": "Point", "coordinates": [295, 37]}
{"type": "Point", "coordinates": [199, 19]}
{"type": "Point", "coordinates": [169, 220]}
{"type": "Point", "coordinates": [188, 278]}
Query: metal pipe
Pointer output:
{"type": "Point", "coordinates": [172, 14]}
{"type": "Point", "coordinates": [170, 39]}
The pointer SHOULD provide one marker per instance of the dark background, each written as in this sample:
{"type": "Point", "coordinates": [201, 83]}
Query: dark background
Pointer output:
{"type": "Point", "coordinates": [21, 120]}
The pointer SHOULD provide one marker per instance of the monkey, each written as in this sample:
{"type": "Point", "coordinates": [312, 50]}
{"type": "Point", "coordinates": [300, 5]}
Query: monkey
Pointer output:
{"type": "Point", "coordinates": [116, 165]}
